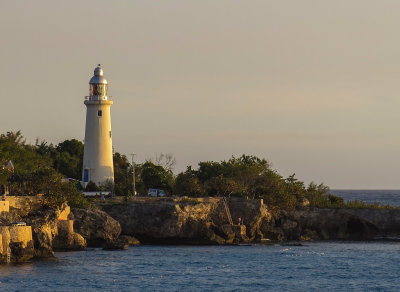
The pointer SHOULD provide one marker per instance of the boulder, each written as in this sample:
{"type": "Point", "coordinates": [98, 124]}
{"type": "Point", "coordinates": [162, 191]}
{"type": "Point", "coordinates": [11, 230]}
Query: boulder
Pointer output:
{"type": "Point", "coordinates": [48, 232]}
{"type": "Point", "coordinates": [118, 244]}
{"type": "Point", "coordinates": [44, 229]}
{"type": "Point", "coordinates": [67, 239]}
{"type": "Point", "coordinates": [234, 233]}
{"type": "Point", "coordinates": [96, 226]}
{"type": "Point", "coordinates": [121, 243]}
{"type": "Point", "coordinates": [130, 240]}
{"type": "Point", "coordinates": [21, 252]}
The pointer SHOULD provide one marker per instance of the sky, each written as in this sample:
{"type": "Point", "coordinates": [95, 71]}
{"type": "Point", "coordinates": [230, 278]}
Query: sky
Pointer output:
{"type": "Point", "coordinates": [312, 86]}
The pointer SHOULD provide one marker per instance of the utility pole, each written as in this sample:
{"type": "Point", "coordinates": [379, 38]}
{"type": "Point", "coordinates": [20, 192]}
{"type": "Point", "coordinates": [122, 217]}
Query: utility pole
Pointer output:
{"type": "Point", "coordinates": [133, 174]}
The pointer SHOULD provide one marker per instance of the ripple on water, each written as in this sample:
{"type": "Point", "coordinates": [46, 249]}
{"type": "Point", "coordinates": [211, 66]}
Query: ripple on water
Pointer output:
{"type": "Point", "coordinates": [337, 265]}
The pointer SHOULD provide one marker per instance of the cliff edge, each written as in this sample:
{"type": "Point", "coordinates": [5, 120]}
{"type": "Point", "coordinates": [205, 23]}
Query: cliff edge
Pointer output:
{"type": "Point", "coordinates": [205, 221]}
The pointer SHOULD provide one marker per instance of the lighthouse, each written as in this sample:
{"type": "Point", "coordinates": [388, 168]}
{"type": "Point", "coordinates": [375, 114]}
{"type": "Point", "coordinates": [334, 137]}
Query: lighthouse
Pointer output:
{"type": "Point", "coordinates": [98, 153]}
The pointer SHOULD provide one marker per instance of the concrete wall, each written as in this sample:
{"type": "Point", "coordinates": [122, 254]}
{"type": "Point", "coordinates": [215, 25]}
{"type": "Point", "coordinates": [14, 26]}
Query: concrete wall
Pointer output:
{"type": "Point", "coordinates": [22, 202]}
{"type": "Point", "coordinates": [15, 234]}
{"type": "Point", "coordinates": [21, 234]}
{"type": "Point", "coordinates": [5, 239]}
{"type": "Point", "coordinates": [4, 206]}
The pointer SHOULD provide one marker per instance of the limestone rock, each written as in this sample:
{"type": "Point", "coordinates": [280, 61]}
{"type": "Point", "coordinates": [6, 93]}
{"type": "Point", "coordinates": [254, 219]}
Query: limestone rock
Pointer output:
{"type": "Point", "coordinates": [96, 226]}
{"type": "Point", "coordinates": [119, 243]}
{"type": "Point", "coordinates": [17, 243]}
{"type": "Point", "coordinates": [204, 220]}
{"type": "Point", "coordinates": [186, 220]}
{"type": "Point", "coordinates": [21, 252]}
{"type": "Point", "coordinates": [5, 243]}
{"type": "Point", "coordinates": [386, 220]}
{"type": "Point", "coordinates": [252, 213]}
{"type": "Point", "coordinates": [44, 229]}
{"type": "Point", "coordinates": [165, 222]}
{"type": "Point", "coordinates": [314, 223]}
{"type": "Point", "coordinates": [130, 240]}
{"type": "Point", "coordinates": [234, 233]}
{"type": "Point", "coordinates": [67, 239]}
{"type": "Point", "coordinates": [6, 218]}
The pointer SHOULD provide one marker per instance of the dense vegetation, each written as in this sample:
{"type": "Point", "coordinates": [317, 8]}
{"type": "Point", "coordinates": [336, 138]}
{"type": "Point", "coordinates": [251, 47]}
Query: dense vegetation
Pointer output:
{"type": "Point", "coordinates": [35, 170]}
{"type": "Point", "coordinates": [39, 169]}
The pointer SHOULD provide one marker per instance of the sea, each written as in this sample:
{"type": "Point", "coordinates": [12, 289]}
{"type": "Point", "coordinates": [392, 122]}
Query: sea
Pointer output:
{"type": "Point", "coordinates": [311, 266]}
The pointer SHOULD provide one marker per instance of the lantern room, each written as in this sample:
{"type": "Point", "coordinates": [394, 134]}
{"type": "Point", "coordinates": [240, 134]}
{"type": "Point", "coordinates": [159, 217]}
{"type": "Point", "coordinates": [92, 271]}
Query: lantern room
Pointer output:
{"type": "Point", "coordinates": [98, 85]}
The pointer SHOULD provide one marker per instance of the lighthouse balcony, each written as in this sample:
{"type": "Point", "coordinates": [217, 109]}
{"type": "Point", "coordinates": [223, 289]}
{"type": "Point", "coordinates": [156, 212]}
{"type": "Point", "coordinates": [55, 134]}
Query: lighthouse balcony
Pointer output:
{"type": "Point", "coordinates": [98, 102]}
{"type": "Point", "coordinates": [97, 98]}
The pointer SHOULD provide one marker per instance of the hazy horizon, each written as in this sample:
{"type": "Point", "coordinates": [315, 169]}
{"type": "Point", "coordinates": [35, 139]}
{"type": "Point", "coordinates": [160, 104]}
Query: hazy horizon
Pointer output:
{"type": "Point", "coordinates": [312, 86]}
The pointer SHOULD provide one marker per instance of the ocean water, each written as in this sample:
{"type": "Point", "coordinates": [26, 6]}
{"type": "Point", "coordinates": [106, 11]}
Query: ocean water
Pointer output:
{"type": "Point", "coordinates": [315, 266]}
{"type": "Point", "coordinates": [383, 197]}
{"type": "Point", "coordinates": [331, 266]}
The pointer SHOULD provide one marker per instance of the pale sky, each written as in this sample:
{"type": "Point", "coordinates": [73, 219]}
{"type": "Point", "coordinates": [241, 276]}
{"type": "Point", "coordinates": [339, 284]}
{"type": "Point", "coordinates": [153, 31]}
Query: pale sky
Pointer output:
{"type": "Point", "coordinates": [312, 86]}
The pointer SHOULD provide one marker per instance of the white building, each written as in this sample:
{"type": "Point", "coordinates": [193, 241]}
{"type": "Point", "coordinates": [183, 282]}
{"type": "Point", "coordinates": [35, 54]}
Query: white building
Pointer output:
{"type": "Point", "coordinates": [98, 154]}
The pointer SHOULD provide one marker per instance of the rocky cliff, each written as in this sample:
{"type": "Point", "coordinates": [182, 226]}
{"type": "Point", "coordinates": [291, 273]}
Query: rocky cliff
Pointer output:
{"type": "Point", "coordinates": [36, 232]}
{"type": "Point", "coordinates": [205, 221]}
{"type": "Point", "coordinates": [320, 224]}
{"type": "Point", "coordinates": [182, 221]}
{"type": "Point", "coordinates": [96, 226]}
{"type": "Point", "coordinates": [189, 220]}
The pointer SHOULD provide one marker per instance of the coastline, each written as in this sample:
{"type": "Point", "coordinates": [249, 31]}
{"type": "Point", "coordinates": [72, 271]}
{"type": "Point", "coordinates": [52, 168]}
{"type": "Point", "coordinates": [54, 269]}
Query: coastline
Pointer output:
{"type": "Point", "coordinates": [118, 223]}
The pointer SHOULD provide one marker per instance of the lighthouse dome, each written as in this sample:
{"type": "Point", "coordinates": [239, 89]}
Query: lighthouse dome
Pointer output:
{"type": "Point", "coordinates": [98, 77]}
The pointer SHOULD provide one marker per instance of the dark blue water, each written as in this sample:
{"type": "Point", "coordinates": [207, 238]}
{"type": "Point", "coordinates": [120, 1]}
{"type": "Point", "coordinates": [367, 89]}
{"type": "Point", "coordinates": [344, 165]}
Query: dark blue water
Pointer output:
{"type": "Point", "coordinates": [383, 197]}
{"type": "Point", "coordinates": [316, 266]}
{"type": "Point", "coordinates": [333, 266]}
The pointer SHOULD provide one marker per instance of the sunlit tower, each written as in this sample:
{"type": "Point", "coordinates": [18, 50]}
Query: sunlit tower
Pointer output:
{"type": "Point", "coordinates": [98, 154]}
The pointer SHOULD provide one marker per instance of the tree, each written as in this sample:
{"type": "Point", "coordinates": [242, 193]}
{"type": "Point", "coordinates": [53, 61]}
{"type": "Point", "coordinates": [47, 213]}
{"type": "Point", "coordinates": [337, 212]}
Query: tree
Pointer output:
{"type": "Point", "coordinates": [317, 195]}
{"type": "Point", "coordinates": [122, 175]}
{"type": "Point", "coordinates": [14, 138]}
{"type": "Point", "coordinates": [68, 158]}
{"type": "Point", "coordinates": [43, 180]}
{"type": "Point", "coordinates": [247, 170]}
{"type": "Point", "coordinates": [155, 176]}
{"type": "Point", "coordinates": [62, 192]}
{"type": "Point", "coordinates": [241, 175]}
{"type": "Point", "coordinates": [24, 157]}
{"type": "Point", "coordinates": [222, 186]}
{"type": "Point", "coordinates": [294, 186]}
{"type": "Point", "coordinates": [209, 169]}
{"type": "Point", "coordinates": [167, 161]}
{"type": "Point", "coordinates": [73, 147]}
{"type": "Point", "coordinates": [188, 184]}
{"type": "Point", "coordinates": [4, 176]}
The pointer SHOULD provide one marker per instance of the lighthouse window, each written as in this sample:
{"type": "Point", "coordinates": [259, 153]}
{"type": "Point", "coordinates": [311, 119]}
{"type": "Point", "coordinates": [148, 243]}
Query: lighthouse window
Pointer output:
{"type": "Point", "coordinates": [110, 134]}
{"type": "Point", "coordinates": [98, 89]}
{"type": "Point", "coordinates": [99, 113]}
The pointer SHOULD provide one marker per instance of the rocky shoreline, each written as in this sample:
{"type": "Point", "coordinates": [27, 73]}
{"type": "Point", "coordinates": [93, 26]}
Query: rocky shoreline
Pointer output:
{"type": "Point", "coordinates": [200, 221]}
{"type": "Point", "coordinates": [204, 221]}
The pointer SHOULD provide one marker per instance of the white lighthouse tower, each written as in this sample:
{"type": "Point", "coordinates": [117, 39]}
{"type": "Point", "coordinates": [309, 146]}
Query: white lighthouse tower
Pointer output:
{"type": "Point", "coordinates": [98, 154]}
